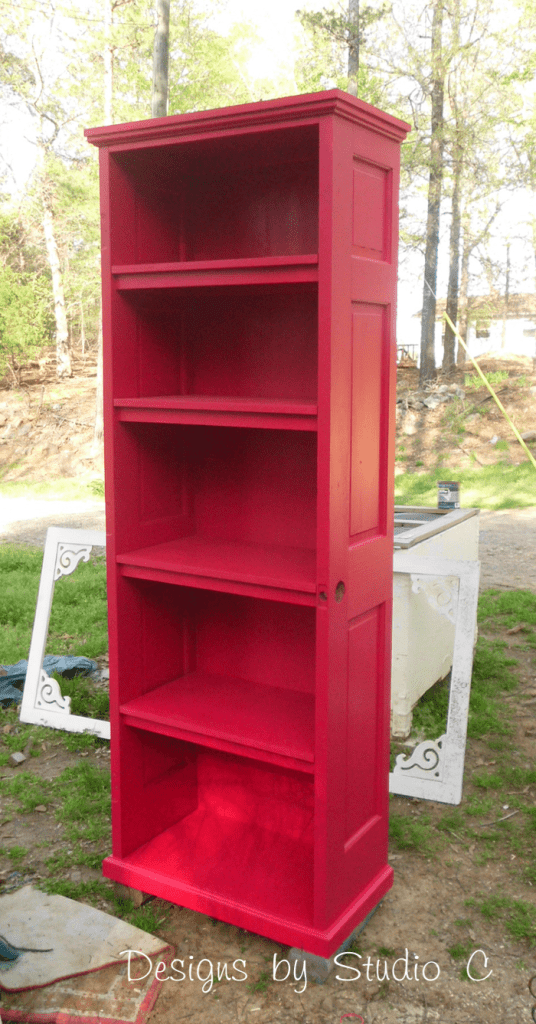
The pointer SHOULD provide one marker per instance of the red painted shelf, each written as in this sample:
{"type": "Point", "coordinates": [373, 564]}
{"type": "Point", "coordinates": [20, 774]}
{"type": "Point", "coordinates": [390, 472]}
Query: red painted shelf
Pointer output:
{"type": "Point", "coordinates": [271, 871]}
{"type": "Point", "coordinates": [238, 711]}
{"type": "Point", "coordinates": [184, 274]}
{"type": "Point", "coordinates": [289, 414]}
{"type": "Point", "coordinates": [267, 566]}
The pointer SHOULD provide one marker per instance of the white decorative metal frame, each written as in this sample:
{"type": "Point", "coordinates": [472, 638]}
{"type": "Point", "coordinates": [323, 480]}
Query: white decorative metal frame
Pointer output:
{"type": "Point", "coordinates": [434, 769]}
{"type": "Point", "coordinates": [42, 700]}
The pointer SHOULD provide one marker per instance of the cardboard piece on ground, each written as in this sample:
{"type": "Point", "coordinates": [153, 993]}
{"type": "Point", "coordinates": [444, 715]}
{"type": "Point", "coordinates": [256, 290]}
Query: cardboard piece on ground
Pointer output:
{"type": "Point", "coordinates": [81, 939]}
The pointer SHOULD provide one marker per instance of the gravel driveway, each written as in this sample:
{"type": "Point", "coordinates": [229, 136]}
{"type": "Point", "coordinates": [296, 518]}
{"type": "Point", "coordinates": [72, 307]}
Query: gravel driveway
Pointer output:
{"type": "Point", "coordinates": [507, 538]}
{"type": "Point", "coordinates": [26, 520]}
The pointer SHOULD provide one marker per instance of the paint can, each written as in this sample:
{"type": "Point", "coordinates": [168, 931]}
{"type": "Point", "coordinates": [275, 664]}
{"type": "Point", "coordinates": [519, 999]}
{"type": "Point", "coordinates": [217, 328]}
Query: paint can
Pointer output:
{"type": "Point", "coordinates": [448, 494]}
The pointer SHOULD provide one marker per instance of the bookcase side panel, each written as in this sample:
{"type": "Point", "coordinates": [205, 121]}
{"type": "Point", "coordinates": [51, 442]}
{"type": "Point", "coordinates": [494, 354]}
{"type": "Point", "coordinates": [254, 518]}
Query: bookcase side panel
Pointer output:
{"type": "Point", "coordinates": [351, 869]}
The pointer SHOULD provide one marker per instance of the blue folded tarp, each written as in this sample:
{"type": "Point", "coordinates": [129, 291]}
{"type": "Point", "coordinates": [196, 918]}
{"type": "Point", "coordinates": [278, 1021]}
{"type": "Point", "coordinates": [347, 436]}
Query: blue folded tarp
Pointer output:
{"type": "Point", "coordinates": [12, 683]}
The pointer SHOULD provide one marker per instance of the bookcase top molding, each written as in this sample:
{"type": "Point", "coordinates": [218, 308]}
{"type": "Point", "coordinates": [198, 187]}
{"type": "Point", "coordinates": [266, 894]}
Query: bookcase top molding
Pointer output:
{"type": "Point", "coordinates": [250, 115]}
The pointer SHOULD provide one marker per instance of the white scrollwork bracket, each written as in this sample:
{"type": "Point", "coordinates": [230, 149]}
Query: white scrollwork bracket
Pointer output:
{"type": "Point", "coordinates": [434, 769]}
{"type": "Point", "coordinates": [42, 699]}
{"type": "Point", "coordinates": [68, 556]}
{"type": "Point", "coordinates": [424, 762]}
{"type": "Point", "coordinates": [441, 593]}
{"type": "Point", "coordinates": [49, 694]}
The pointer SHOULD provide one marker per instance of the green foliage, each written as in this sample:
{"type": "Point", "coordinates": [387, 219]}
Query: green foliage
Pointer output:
{"type": "Point", "coordinates": [473, 381]}
{"type": "Point", "coordinates": [26, 316]}
{"type": "Point", "coordinates": [323, 58]}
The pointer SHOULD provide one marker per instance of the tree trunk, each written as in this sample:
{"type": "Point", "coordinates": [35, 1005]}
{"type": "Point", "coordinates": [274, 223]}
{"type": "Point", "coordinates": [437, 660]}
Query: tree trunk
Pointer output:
{"type": "Point", "coordinates": [464, 290]}
{"type": "Point", "coordinates": [108, 64]}
{"type": "Point", "coordinates": [427, 370]}
{"type": "Point", "coordinates": [353, 46]}
{"type": "Point", "coordinates": [63, 354]}
{"type": "Point", "coordinates": [160, 60]}
{"type": "Point", "coordinates": [449, 351]}
{"type": "Point", "coordinates": [98, 430]}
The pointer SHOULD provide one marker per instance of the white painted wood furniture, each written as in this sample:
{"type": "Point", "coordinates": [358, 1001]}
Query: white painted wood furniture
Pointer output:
{"type": "Point", "coordinates": [42, 700]}
{"type": "Point", "coordinates": [434, 769]}
{"type": "Point", "coordinates": [419, 623]}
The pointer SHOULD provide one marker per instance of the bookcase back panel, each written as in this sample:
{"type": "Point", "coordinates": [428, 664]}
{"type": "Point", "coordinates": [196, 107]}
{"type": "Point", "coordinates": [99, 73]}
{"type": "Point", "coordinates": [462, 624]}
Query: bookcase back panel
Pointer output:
{"type": "Point", "coordinates": [222, 483]}
{"type": "Point", "coordinates": [209, 200]}
{"type": "Point", "coordinates": [230, 805]}
{"type": "Point", "coordinates": [258, 342]}
{"type": "Point", "coordinates": [167, 631]}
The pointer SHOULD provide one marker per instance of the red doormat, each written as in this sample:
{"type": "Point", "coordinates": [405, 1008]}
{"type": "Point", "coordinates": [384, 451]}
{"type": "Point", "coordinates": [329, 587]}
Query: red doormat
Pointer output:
{"type": "Point", "coordinates": [104, 996]}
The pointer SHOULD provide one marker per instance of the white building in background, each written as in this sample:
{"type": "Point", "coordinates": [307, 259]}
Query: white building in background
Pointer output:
{"type": "Point", "coordinates": [496, 324]}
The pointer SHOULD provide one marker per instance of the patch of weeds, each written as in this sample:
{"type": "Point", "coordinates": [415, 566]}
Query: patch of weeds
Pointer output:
{"type": "Point", "coordinates": [498, 744]}
{"type": "Point", "coordinates": [430, 714]}
{"type": "Point", "coordinates": [463, 922]}
{"type": "Point", "coordinates": [384, 990]}
{"type": "Point", "coordinates": [87, 892]}
{"type": "Point", "coordinates": [409, 833]}
{"type": "Point", "coordinates": [451, 821]}
{"type": "Point", "coordinates": [518, 916]}
{"type": "Point", "coordinates": [145, 918]}
{"type": "Point", "coordinates": [510, 608]}
{"type": "Point", "coordinates": [16, 854]}
{"type": "Point", "coordinates": [419, 462]}
{"type": "Point", "coordinates": [386, 952]}
{"type": "Point", "coordinates": [79, 742]}
{"type": "Point", "coordinates": [460, 950]}
{"type": "Point", "coordinates": [85, 807]}
{"type": "Point", "coordinates": [506, 777]}
{"type": "Point", "coordinates": [28, 790]}
{"type": "Point", "coordinates": [491, 678]}
{"type": "Point", "coordinates": [494, 377]}
{"type": "Point", "coordinates": [452, 418]}
{"type": "Point", "coordinates": [96, 487]}
{"type": "Point", "coordinates": [261, 984]}
{"type": "Point", "coordinates": [86, 699]}
{"type": "Point", "coordinates": [479, 807]}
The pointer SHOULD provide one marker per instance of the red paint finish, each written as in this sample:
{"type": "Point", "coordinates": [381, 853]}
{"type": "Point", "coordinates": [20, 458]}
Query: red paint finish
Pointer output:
{"type": "Point", "coordinates": [249, 282]}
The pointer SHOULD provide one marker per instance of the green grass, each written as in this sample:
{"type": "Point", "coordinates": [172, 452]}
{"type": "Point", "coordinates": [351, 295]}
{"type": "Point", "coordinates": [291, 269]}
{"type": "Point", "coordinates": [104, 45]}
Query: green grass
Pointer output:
{"type": "Point", "coordinates": [15, 853]}
{"type": "Point", "coordinates": [78, 622]}
{"type": "Point", "coordinates": [492, 677]}
{"type": "Point", "coordinates": [61, 489]}
{"type": "Point", "coordinates": [493, 487]}
{"type": "Point", "coordinates": [474, 381]}
{"type": "Point", "coordinates": [509, 608]}
{"type": "Point", "coordinates": [518, 916]}
{"type": "Point", "coordinates": [85, 699]}
{"type": "Point", "coordinates": [408, 833]}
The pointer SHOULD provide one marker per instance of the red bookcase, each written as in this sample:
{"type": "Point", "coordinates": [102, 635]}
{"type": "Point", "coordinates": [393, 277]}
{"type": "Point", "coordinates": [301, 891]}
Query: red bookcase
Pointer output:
{"type": "Point", "coordinates": [249, 278]}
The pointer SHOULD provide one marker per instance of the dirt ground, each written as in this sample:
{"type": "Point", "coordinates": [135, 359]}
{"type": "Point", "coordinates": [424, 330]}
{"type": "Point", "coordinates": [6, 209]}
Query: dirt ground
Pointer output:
{"type": "Point", "coordinates": [426, 913]}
